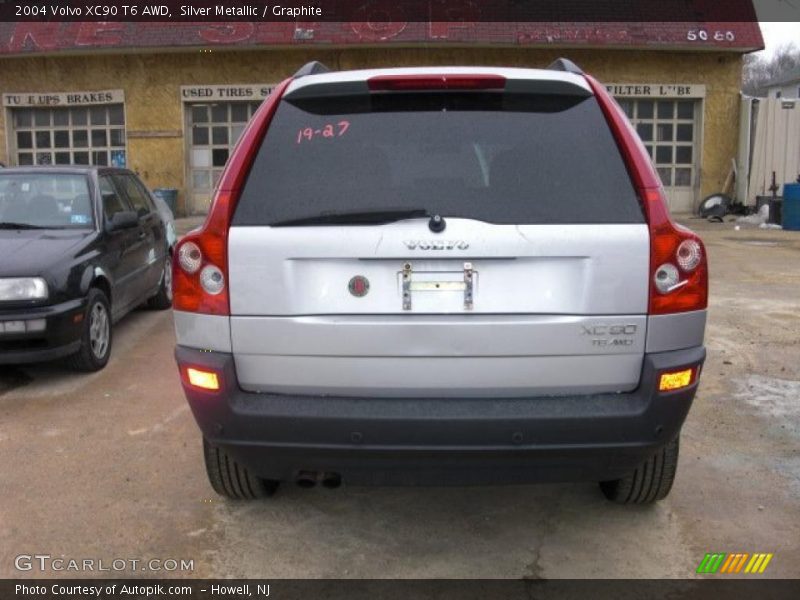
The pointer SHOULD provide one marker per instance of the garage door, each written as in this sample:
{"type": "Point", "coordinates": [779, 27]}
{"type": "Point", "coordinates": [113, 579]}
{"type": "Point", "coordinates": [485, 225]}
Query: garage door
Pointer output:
{"type": "Point", "coordinates": [670, 133]}
{"type": "Point", "coordinates": [215, 128]}
{"type": "Point", "coordinates": [93, 135]}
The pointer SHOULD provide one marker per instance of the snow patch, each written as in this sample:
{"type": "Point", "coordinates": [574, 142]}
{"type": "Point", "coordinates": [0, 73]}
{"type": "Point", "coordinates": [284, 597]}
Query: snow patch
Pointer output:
{"type": "Point", "coordinates": [770, 395]}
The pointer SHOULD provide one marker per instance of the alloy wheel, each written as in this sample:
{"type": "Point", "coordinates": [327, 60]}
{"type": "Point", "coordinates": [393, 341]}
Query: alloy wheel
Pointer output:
{"type": "Point", "coordinates": [99, 330]}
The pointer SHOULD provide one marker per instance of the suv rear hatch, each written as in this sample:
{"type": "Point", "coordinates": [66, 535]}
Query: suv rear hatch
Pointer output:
{"type": "Point", "coordinates": [538, 284]}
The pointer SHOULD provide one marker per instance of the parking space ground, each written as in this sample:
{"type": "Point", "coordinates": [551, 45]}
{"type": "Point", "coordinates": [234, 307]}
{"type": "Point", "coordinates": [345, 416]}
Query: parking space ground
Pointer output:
{"type": "Point", "coordinates": [109, 465]}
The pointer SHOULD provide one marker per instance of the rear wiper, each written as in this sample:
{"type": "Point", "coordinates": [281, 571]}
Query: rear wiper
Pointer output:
{"type": "Point", "coordinates": [357, 217]}
{"type": "Point", "coordinates": [11, 225]}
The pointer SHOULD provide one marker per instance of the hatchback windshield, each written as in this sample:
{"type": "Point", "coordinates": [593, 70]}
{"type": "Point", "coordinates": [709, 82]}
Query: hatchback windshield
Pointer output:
{"type": "Point", "coordinates": [45, 201]}
{"type": "Point", "coordinates": [499, 158]}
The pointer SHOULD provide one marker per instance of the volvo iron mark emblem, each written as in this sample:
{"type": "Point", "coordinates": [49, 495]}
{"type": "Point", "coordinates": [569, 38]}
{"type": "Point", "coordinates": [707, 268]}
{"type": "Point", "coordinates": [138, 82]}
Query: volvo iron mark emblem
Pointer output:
{"type": "Point", "coordinates": [358, 286]}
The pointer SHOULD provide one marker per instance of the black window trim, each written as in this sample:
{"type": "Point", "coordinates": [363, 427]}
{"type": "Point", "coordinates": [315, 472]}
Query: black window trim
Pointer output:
{"type": "Point", "coordinates": [122, 196]}
{"type": "Point", "coordinates": [147, 199]}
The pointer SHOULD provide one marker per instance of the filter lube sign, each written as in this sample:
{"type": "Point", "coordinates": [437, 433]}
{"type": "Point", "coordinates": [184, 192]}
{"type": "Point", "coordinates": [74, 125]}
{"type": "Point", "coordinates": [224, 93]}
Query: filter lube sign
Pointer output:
{"type": "Point", "coordinates": [656, 90]}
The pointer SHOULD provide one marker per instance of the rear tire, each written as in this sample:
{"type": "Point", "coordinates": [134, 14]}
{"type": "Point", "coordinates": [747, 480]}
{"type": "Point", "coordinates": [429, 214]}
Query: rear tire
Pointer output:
{"type": "Point", "coordinates": [232, 480]}
{"type": "Point", "coordinates": [163, 298]}
{"type": "Point", "coordinates": [650, 482]}
{"type": "Point", "coordinates": [97, 334]}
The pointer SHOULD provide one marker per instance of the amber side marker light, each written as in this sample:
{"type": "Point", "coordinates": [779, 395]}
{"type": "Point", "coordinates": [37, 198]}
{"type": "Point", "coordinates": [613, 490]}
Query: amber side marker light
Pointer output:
{"type": "Point", "coordinates": [675, 380]}
{"type": "Point", "coordinates": [205, 380]}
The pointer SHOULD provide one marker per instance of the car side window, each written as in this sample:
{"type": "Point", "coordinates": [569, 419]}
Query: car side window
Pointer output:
{"type": "Point", "coordinates": [137, 196]}
{"type": "Point", "coordinates": [113, 203]}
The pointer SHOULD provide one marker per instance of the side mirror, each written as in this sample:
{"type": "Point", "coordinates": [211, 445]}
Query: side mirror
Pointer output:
{"type": "Point", "coordinates": [124, 220]}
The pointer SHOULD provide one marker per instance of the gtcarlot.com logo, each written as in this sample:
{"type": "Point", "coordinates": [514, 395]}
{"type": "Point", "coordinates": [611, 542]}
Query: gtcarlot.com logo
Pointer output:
{"type": "Point", "coordinates": [741, 562]}
{"type": "Point", "coordinates": [46, 562]}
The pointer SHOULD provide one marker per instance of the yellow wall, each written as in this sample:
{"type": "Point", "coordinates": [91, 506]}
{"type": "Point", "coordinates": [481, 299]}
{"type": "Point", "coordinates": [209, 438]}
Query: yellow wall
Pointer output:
{"type": "Point", "coordinates": [151, 83]}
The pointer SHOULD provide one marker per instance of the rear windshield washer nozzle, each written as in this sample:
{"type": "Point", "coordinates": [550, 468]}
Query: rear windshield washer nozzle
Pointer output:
{"type": "Point", "coordinates": [437, 224]}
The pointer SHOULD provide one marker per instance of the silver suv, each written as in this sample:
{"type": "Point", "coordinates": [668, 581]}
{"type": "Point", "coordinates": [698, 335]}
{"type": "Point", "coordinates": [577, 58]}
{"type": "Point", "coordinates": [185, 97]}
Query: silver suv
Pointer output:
{"type": "Point", "coordinates": [440, 276]}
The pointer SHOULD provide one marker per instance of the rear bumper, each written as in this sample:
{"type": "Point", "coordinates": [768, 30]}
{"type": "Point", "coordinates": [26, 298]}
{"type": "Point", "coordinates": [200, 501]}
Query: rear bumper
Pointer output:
{"type": "Point", "coordinates": [60, 337]}
{"type": "Point", "coordinates": [442, 440]}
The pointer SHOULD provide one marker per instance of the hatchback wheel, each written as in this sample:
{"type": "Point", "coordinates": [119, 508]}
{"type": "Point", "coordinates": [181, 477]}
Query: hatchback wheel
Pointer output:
{"type": "Point", "coordinates": [650, 482]}
{"type": "Point", "coordinates": [96, 337]}
{"type": "Point", "coordinates": [232, 480]}
{"type": "Point", "coordinates": [163, 297]}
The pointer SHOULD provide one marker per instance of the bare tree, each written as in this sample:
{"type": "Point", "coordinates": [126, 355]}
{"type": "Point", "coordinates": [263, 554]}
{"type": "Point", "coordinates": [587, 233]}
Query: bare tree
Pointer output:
{"type": "Point", "coordinates": [759, 70]}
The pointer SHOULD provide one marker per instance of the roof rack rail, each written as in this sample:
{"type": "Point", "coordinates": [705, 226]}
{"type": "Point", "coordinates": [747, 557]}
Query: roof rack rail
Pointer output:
{"type": "Point", "coordinates": [313, 68]}
{"type": "Point", "coordinates": [564, 64]}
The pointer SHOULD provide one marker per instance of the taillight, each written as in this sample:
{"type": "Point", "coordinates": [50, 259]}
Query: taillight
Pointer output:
{"type": "Point", "coordinates": [445, 81]}
{"type": "Point", "coordinates": [667, 278]}
{"type": "Point", "coordinates": [689, 254]}
{"type": "Point", "coordinates": [678, 267]}
{"type": "Point", "coordinates": [678, 264]}
{"type": "Point", "coordinates": [190, 258]}
{"type": "Point", "coordinates": [200, 273]}
{"type": "Point", "coordinates": [199, 276]}
{"type": "Point", "coordinates": [212, 280]}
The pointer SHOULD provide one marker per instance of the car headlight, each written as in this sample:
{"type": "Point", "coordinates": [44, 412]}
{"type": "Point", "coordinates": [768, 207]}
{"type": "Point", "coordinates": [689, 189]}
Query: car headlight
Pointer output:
{"type": "Point", "coordinates": [22, 288]}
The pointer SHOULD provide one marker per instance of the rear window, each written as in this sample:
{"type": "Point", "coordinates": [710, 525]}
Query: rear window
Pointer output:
{"type": "Point", "coordinates": [499, 158]}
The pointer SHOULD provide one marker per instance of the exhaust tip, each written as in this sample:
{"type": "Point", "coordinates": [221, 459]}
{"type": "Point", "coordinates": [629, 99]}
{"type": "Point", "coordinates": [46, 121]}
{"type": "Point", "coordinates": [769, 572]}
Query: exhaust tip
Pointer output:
{"type": "Point", "coordinates": [306, 479]}
{"type": "Point", "coordinates": [331, 480]}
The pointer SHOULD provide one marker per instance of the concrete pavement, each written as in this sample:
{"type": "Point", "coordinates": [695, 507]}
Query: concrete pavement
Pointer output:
{"type": "Point", "coordinates": [109, 465]}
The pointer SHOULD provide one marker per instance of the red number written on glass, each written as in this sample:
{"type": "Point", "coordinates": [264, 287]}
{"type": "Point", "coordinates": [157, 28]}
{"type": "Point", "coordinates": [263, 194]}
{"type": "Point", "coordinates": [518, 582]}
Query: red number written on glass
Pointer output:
{"type": "Point", "coordinates": [331, 130]}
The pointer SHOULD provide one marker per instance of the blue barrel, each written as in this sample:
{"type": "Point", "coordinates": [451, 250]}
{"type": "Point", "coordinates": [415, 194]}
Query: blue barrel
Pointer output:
{"type": "Point", "coordinates": [791, 206]}
{"type": "Point", "coordinates": [168, 195]}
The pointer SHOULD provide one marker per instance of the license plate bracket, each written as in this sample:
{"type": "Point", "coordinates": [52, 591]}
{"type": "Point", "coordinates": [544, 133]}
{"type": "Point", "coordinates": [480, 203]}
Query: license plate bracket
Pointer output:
{"type": "Point", "coordinates": [430, 282]}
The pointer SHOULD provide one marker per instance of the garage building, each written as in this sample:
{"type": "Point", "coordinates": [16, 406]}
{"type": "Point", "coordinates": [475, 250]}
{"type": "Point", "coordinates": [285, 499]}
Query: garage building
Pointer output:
{"type": "Point", "coordinates": [169, 100]}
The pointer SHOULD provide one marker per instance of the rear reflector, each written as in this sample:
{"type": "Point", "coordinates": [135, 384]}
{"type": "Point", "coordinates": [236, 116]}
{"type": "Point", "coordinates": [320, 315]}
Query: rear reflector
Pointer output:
{"type": "Point", "coordinates": [397, 83]}
{"type": "Point", "coordinates": [205, 380]}
{"type": "Point", "coordinates": [675, 380]}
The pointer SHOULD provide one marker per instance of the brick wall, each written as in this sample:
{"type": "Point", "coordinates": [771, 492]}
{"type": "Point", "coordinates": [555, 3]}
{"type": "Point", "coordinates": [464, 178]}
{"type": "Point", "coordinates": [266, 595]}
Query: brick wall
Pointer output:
{"type": "Point", "coordinates": [50, 37]}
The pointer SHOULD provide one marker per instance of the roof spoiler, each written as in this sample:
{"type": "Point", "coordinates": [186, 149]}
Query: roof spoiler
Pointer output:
{"type": "Point", "coordinates": [560, 64]}
{"type": "Point", "coordinates": [312, 68]}
{"type": "Point", "coordinates": [405, 82]}
{"type": "Point", "coordinates": [564, 64]}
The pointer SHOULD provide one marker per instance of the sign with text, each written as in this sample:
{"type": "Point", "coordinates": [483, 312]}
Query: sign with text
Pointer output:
{"type": "Point", "coordinates": [656, 90]}
{"type": "Point", "coordinates": [506, 11]}
{"type": "Point", "coordinates": [226, 93]}
{"type": "Point", "coordinates": [51, 99]}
